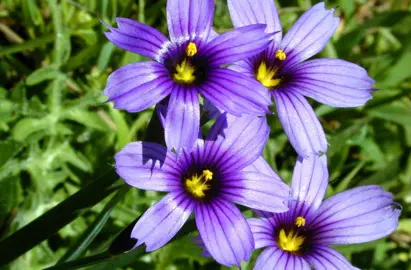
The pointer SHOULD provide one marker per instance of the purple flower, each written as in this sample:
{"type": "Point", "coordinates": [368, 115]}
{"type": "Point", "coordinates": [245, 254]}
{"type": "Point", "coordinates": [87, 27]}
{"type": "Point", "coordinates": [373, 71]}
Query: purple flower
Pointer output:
{"type": "Point", "coordinates": [189, 64]}
{"type": "Point", "coordinates": [299, 238]}
{"type": "Point", "coordinates": [280, 68]}
{"type": "Point", "coordinates": [207, 180]}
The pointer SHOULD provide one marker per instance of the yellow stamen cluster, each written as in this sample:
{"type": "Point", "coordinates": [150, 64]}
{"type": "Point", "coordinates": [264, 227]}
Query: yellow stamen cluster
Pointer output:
{"type": "Point", "coordinates": [191, 49]}
{"type": "Point", "coordinates": [266, 76]}
{"type": "Point", "coordinates": [184, 73]}
{"type": "Point", "coordinates": [197, 185]}
{"type": "Point", "coordinates": [290, 242]}
{"type": "Point", "coordinates": [300, 221]}
{"type": "Point", "coordinates": [280, 55]}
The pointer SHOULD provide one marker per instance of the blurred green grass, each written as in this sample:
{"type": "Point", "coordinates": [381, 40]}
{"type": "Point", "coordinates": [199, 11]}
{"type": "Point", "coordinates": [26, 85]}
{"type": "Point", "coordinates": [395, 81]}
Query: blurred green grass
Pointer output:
{"type": "Point", "coordinates": [57, 134]}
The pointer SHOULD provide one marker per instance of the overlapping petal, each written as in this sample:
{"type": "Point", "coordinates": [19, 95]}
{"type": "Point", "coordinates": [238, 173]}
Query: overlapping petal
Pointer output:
{"type": "Point", "coordinates": [333, 82]}
{"type": "Point", "coordinates": [148, 166]}
{"type": "Point", "coordinates": [163, 220]}
{"type": "Point", "coordinates": [309, 34]}
{"type": "Point", "coordinates": [182, 123]}
{"type": "Point", "coordinates": [261, 166]}
{"type": "Point", "coordinates": [137, 37]}
{"type": "Point", "coordinates": [275, 258]}
{"type": "Point", "coordinates": [136, 87]}
{"type": "Point", "coordinates": [236, 45]}
{"type": "Point", "coordinates": [256, 190]}
{"type": "Point", "coordinates": [225, 232]}
{"type": "Point", "coordinates": [310, 181]}
{"type": "Point", "coordinates": [263, 232]}
{"type": "Point", "coordinates": [235, 149]}
{"type": "Point", "coordinates": [325, 258]}
{"type": "Point", "coordinates": [357, 215]}
{"type": "Point", "coordinates": [247, 12]}
{"type": "Point", "coordinates": [300, 123]}
{"type": "Point", "coordinates": [189, 19]}
{"type": "Point", "coordinates": [235, 93]}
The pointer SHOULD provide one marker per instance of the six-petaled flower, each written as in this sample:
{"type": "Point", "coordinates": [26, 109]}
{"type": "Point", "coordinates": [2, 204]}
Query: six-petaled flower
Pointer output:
{"type": "Point", "coordinates": [207, 180]}
{"type": "Point", "coordinates": [185, 66]}
{"type": "Point", "coordinates": [282, 70]}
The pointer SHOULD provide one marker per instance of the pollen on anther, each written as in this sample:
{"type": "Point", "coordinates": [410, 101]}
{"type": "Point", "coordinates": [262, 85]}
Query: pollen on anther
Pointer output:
{"type": "Point", "coordinates": [280, 55]}
{"type": "Point", "coordinates": [300, 221]}
{"type": "Point", "coordinates": [208, 175]}
{"type": "Point", "coordinates": [191, 49]}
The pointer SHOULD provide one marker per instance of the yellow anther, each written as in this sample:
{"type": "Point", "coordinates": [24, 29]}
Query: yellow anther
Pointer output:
{"type": "Point", "coordinates": [184, 73]}
{"type": "Point", "coordinates": [208, 175]}
{"type": "Point", "coordinates": [266, 76]}
{"type": "Point", "coordinates": [197, 185]}
{"type": "Point", "coordinates": [280, 55]}
{"type": "Point", "coordinates": [191, 49]}
{"type": "Point", "coordinates": [300, 221]}
{"type": "Point", "coordinates": [290, 242]}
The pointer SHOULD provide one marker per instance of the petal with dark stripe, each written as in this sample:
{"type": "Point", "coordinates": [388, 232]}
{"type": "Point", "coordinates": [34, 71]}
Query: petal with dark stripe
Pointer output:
{"type": "Point", "coordinates": [148, 166]}
{"type": "Point", "coordinates": [333, 82]}
{"type": "Point", "coordinates": [357, 215]}
{"type": "Point", "coordinates": [189, 19]}
{"type": "Point", "coordinates": [263, 232]}
{"type": "Point", "coordinates": [163, 220]}
{"type": "Point", "coordinates": [325, 258]}
{"type": "Point", "coordinates": [225, 232]}
{"type": "Point", "coordinates": [236, 93]}
{"type": "Point", "coordinates": [138, 38]}
{"type": "Point", "coordinates": [300, 123]}
{"type": "Point", "coordinates": [182, 123]}
{"type": "Point", "coordinates": [275, 258]}
{"type": "Point", "coordinates": [309, 34]}
{"type": "Point", "coordinates": [138, 86]}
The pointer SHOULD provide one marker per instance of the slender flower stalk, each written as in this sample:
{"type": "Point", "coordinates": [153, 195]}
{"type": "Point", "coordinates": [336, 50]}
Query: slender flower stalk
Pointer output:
{"type": "Point", "coordinates": [222, 170]}
{"type": "Point", "coordinates": [299, 238]}
{"type": "Point", "coordinates": [185, 66]}
{"type": "Point", "coordinates": [282, 70]}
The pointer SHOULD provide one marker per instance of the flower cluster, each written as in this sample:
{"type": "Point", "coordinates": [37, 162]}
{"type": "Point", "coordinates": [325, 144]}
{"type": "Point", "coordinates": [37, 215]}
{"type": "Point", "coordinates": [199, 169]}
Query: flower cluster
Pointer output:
{"type": "Point", "coordinates": [235, 75]}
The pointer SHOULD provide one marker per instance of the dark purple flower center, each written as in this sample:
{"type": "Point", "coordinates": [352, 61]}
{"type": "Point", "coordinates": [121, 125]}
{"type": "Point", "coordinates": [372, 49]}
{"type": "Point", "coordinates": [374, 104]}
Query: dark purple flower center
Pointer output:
{"type": "Point", "coordinates": [187, 66]}
{"type": "Point", "coordinates": [201, 184]}
{"type": "Point", "coordinates": [267, 69]}
{"type": "Point", "coordinates": [295, 237]}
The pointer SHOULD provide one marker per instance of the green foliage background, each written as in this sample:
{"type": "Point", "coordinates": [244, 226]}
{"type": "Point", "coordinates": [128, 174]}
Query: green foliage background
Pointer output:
{"type": "Point", "coordinates": [57, 135]}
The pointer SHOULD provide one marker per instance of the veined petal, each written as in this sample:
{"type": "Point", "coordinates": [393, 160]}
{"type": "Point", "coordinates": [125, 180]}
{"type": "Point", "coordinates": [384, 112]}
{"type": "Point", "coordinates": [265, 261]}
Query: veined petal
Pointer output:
{"type": "Point", "coordinates": [183, 118]}
{"type": "Point", "coordinates": [225, 232]}
{"type": "Point", "coordinates": [261, 166]}
{"type": "Point", "coordinates": [333, 82]}
{"type": "Point", "coordinates": [300, 123]}
{"type": "Point", "coordinates": [236, 45]}
{"type": "Point", "coordinates": [238, 145]}
{"type": "Point", "coordinates": [136, 87]}
{"type": "Point", "coordinates": [310, 181]}
{"type": "Point", "coordinates": [256, 190]}
{"type": "Point", "coordinates": [357, 215]}
{"type": "Point", "coordinates": [148, 166]}
{"type": "Point", "coordinates": [275, 258]}
{"type": "Point", "coordinates": [244, 67]}
{"type": "Point", "coordinates": [189, 19]}
{"type": "Point", "coordinates": [137, 37]}
{"type": "Point", "coordinates": [309, 34]}
{"type": "Point", "coordinates": [325, 258]}
{"type": "Point", "coordinates": [163, 220]}
{"type": "Point", "coordinates": [236, 93]}
{"type": "Point", "coordinates": [246, 12]}
{"type": "Point", "coordinates": [263, 232]}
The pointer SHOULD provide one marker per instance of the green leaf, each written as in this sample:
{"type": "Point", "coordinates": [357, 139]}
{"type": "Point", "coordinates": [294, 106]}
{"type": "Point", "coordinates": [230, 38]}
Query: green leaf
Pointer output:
{"type": "Point", "coordinates": [8, 150]}
{"type": "Point", "coordinates": [87, 118]}
{"type": "Point", "coordinates": [53, 220]}
{"type": "Point", "coordinates": [398, 112]}
{"type": "Point", "coordinates": [27, 126]}
{"type": "Point", "coordinates": [42, 74]}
